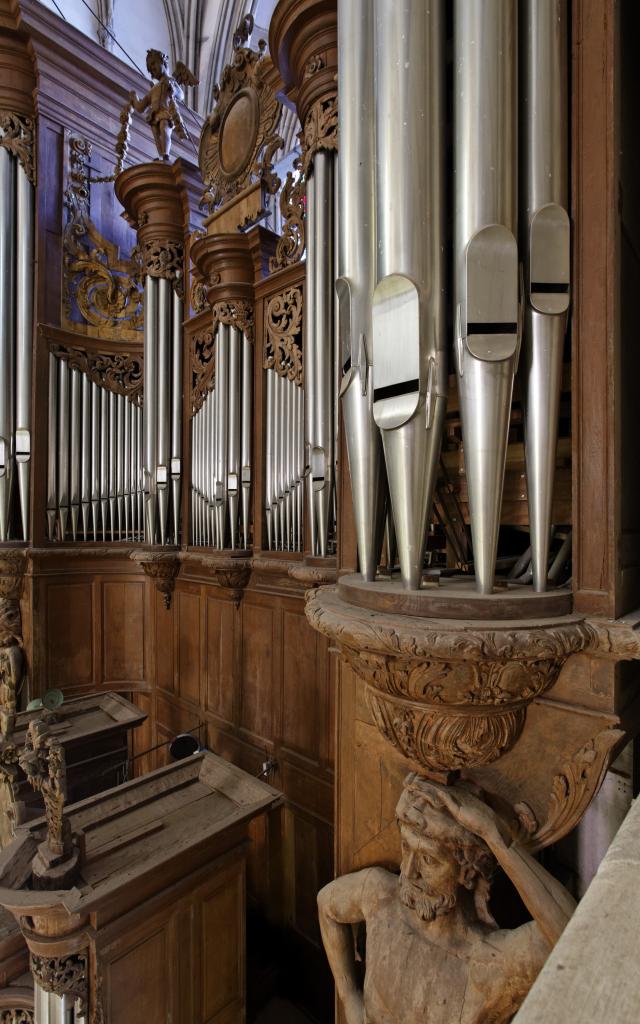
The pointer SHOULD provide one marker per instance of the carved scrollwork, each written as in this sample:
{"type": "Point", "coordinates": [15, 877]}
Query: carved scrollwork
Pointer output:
{"type": "Point", "coordinates": [199, 297]}
{"type": "Point", "coordinates": [62, 975]}
{"type": "Point", "coordinates": [320, 130]}
{"type": "Point", "coordinates": [105, 287]}
{"type": "Point", "coordinates": [203, 368]}
{"type": "Point", "coordinates": [291, 244]}
{"type": "Point", "coordinates": [121, 373]}
{"type": "Point", "coordinates": [236, 313]}
{"type": "Point", "coordinates": [246, 102]}
{"type": "Point", "coordinates": [164, 258]}
{"type": "Point", "coordinates": [18, 135]}
{"type": "Point", "coordinates": [17, 1017]}
{"type": "Point", "coordinates": [282, 349]}
{"type": "Point", "coordinates": [162, 568]}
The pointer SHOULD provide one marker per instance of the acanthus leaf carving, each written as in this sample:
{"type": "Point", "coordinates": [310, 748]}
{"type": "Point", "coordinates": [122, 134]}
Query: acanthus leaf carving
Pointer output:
{"type": "Point", "coordinates": [18, 135]}
{"type": "Point", "coordinates": [282, 349]}
{"type": "Point", "coordinates": [236, 313]}
{"type": "Point", "coordinates": [203, 368]}
{"type": "Point", "coordinates": [105, 287]}
{"type": "Point", "coordinates": [291, 244]}
{"type": "Point", "coordinates": [122, 373]}
{"type": "Point", "coordinates": [17, 1016]}
{"type": "Point", "coordinates": [62, 975]}
{"type": "Point", "coordinates": [164, 258]}
{"type": "Point", "coordinates": [320, 131]}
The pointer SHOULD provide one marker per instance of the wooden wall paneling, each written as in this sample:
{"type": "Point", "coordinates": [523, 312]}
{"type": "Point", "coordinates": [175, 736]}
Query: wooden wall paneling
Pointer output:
{"type": "Point", "coordinates": [221, 655]}
{"type": "Point", "coordinates": [261, 666]}
{"type": "Point", "coordinates": [143, 738]}
{"type": "Point", "coordinates": [305, 685]}
{"type": "Point", "coordinates": [122, 606]}
{"type": "Point", "coordinates": [222, 934]}
{"type": "Point", "coordinates": [186, 599]}
{"type": "Point", "coordinates": [72, 662]}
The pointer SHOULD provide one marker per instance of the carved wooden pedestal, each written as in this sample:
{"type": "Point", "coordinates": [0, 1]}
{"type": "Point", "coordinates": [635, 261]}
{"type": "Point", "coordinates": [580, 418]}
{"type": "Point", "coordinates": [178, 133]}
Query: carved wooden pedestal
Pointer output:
{"type": "Point", "coordinates": [154, 927]}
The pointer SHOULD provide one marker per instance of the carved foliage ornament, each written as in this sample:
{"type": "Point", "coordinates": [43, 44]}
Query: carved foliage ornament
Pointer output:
{"type": "Point", "coordinates": [203, 368]}
{"type": "Point", "coordinates": [18, 135]}
{"type": "Point", "coordinates": [62, 975]}
{"type": "Point", "coordinates": [123, 374]}
{"type": "Point", "coordinates": [236, 313]}
{"type": "Point", "coordinates": [17, 1017]}
{"type": "Point", "coordinates": [291, 244]}
{"type": "Point", "coordinates": [239, 139]}
{"type": "Point", "coordinates": [282, 350]}
{"type": "Point", "coordinates": [163, 258]}
{"type": "Point", "coordinates": [320, 130]}
{"type": "Point", "coordinates": [105, 288]}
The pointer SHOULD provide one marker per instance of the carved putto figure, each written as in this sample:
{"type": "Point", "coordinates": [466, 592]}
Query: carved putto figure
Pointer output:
{"type": "Point", "coordinates": [161, 102]}
{"type": "Point", "coordinates": [434, 953]}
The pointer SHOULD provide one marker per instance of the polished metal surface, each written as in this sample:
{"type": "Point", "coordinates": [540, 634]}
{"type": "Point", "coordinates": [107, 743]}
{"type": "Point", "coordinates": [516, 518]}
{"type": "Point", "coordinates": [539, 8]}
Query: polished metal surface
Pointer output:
{"type": "Point", "coordinates": [486, 306]}
{"type": "Point", "coordinates": [545, 238]}
{"type": "Point", "coordinates": [165, 332]}
{"type": "Point", "coordinates": [269, 457]}
{"type": "Point", "coordinates": [104, 463]}
{"type": "Point", "coordinates": [113, 517]}
{"type": "Point", "coordinates": [63, 448]}
{"type": "Point", "coordinates": [234, 428]}
{"type": "Point", "coordinates": [176, 417]}
{"type": "Point", "coordinates": [309, 355]}
{"type": "Point", "coordinates": [7, 346]}
{"type": "Point", "coordinates": [150, 405]}
{"type": "Point", "coordinates": [245, 439]}
{"type": "Point", "coordinates": [356, 275]}
{"type": "Point", "coordinates": [222, 432]}
{"type": "Point", "coordinates": [74, 459]}
{"type": "Point", "coordinates": [408, 323]}
{"type": "Point", "coordinates": [24, 339]}
{"type": "Point", "coordinates": [52, 449]}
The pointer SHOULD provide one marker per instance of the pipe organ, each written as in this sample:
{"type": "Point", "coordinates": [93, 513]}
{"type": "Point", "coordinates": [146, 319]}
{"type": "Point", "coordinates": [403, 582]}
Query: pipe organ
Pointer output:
{"type": "Point", "coordinates": [16, 323]}
{"type": "Point", "coordinates": [95, 449]}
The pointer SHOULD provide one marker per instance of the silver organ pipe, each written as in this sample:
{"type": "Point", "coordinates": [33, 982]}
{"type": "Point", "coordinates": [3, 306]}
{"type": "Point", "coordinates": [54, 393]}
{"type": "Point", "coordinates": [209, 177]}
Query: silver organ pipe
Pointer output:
{"type": "Point", "coordinates": [221, 448]}
{"type": "Point", "coordinates": [409, 358]}
{"type": "Point", "coordinates": [163, 341]}
{"type": "Point", "coordinates": [486, 257]}
{"type": "Point", "coordinates": [284, 461]}
{"type": "Point", "coordinates": [93, 479]}
{"type": "Point", "coordinates": [545, 247]}
{"type": "Point", "coordinates": [150, 406]}
{"type": "Point", "coordinates": [176, 417]}
{"type": "Point", "coordinates": [356, 276]}
{"type": "Point", "coordinates": [7, 338]}
{"type": "Point", "coordinates": [25, 243]}
{"type": "Point", "coordinates": [309, 358]}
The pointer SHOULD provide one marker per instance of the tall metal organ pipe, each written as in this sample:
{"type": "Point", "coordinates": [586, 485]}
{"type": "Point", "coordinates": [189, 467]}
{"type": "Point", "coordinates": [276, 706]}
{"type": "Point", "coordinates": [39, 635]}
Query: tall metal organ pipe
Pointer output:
{"type": "Point", "coordinates": [16, 341]}
{"type": "Point", "coordinates": [545, 246]}
{"type": "Point", "coordinates": [486, 256]}
{"type": "Point", "coordinates": [409, 355]}
{"type": "Point", "coordinates": [356, 276]}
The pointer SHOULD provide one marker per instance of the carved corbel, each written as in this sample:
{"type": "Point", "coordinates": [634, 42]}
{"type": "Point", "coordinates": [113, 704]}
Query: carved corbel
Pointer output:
{"type": "Point", "coordinates": [320, 131]}
{"type": "Point", "coordinates": [62, 975]}
{"type": "Point", "coordinates": [236, 313]}
{"type": "Point", "coordinates": [230, 573]}
{"type": "Point", "coordinates": [162, 567]}
{"type": "Point", "coordinates": [291, 244]}
{"type": "Point", "coordinates": [18, 135]}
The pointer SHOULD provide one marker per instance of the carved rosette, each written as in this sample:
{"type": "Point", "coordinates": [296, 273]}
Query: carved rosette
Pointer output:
{"type": "Point", "coordinates": [18, 135]}
{"type": "Point", "coordinates": [453, 695]}
{"type": "Point", "coordinates": [320, 130]}
{"type": "Point", "coordinates": [203, 368]}
{"type": "Point", "coordinates": [121, 373]}
{"type": "Point", "coordinates": [283, 335]}
{"type": "Point", "coordinates": [162, 567]}
{"type": "Point", "coordinates": [236, 313]}
{"type": "Point", "coordinates": [291, 244]}
{"type": "Point", "coordinates": [62, 975]}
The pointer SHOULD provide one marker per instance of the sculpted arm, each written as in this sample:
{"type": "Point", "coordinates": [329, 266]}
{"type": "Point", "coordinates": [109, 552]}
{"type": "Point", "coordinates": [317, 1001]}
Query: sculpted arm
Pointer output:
{"type": "Point", "coordinates": [341, 904]}
{"type": "Point", "coordinates": [546, 899]}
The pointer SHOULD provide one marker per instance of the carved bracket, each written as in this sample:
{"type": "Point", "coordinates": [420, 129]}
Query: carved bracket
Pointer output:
{"type": "Point", "coordinates": [121, 373]}
{"type": "Point", "coordinates": [18, 135]}
{"type": "Point", "coordinates": [62, 975]}
{"type": "Point", "coordinates": [283, 336]}
{"type": "Point", "coordinates": [237, 313]}
{"type": "Point", "coordinates": [203, 368]}
{"type": "Point", "coordinates": [291, 244]}
{"type": "Point", "coordinates": [162, 567]}
{"type": "Point", "coordinates": [232, 574]}
{"type": "Point", "coordinates": [164, 258]}
{"type": "Point", "coordinates": [320, 130]}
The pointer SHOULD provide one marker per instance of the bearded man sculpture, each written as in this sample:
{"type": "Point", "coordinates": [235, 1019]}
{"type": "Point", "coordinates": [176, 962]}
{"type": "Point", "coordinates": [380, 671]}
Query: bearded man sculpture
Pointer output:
{"type": "Point", "coordinates": [434, 953]}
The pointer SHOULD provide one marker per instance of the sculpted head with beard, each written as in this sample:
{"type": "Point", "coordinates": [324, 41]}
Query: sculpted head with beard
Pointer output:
{"type": "Point", "coordinates": [440, 858]}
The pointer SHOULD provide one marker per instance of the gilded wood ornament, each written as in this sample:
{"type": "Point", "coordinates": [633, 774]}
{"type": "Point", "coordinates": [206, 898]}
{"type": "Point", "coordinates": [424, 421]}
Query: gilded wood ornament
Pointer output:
{"type": "Point", "coordinates": [320, 130]}
{"type": "Point", "coordinates": [236, 313]}
{"type": "Point", "coordinates": [18, 135]}
{"type": "Point", "coordinates": [121, 373]}
{"type": "Point", "coordinates": [239, 138]}
{"type": "Point", "coordinates": [104, 287]}
{"type": "Point", "coordinates": [283, 335]}
{"type": "Point", "coordinates": [203, 368]}
{"type": "Point", "coordinates": [291, 244]}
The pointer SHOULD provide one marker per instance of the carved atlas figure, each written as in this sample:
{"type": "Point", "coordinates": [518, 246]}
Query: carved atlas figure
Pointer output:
{"type": "Point", "coordinates": [434, 953]}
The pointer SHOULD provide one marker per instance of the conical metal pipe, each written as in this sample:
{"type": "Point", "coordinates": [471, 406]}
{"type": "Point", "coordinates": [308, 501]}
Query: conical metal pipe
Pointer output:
{"type": "Point", "coordinates": [486, 256]}
{"type": "Point", "coordinates": [409, 357]}
{"type": "Point", "coordinates": [176, 416]}
{"type": "Point", "coordinates": [24, 337]}
{"type": "Point", "coordinates": [52, 451]}
{"type": "Point", "coordinates": [546, 253]}
{"type": "Point", "coordinates": [245, 440]}
{"type": "Point", "coordinates": [165, 331]}
{"type": "Point", "coordinates": [356, 275]}
{"type": "Point", "coordinates": [7, 335]}
{"type": "Point", "coordinates": [309, 351]}
{"type": "Point", "coordinates": [233, 448]}
{"type": "Point", "coordinates": [149, 418]}
{"type": "Point", "coordinates": [222, 432]}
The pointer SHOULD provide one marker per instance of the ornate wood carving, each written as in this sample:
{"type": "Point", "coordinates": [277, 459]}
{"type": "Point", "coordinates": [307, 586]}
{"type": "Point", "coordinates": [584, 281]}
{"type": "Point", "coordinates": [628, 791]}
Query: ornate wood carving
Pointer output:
{"type": "Point", "coordinates": [17, 1017]}
{"type": "Point", "coordinates": [239, 138]}
{"type": "Point", "coordinates": [199, 297]}
{"type": "Point", "coordinates": [313, 575]}
{"type": "Point", "coordinates": [18, 135]}
{"type": "Point", "coordinates": [320, 130]}
{"type": "Point", "coordinates": [203, 368]}
{"type": "Point", "coordinates": [237, 313]}
{"type": "Point", "coordinates": [282, 348]}
{"type": "Point", "coordinates": [62, 975]}
{"type": "Point", "coordinates": [123, 374]}
{"type": "Point", "coordinates": [105, 287]}
{"type": "Point", "coordinates": [42, 760]}
{"type": "Point", "coordinates": [12, 567]}
{"type": "Point", "coordinates": [230, 573]}
{"type": "Point", "coordinates": [291, 244]}
{"type": "Point", "coordinates": [163, 258]}
{"type": "Point", "coordinates": [162, 568]}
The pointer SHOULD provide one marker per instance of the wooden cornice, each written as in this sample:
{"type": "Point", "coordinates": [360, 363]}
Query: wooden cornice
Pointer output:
{"type": "Point", "coordinates": [303, 41]}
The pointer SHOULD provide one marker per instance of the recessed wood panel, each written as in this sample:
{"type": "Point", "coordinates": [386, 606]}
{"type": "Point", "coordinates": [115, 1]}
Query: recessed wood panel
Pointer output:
{"type": "Point", "coordinates": [164, 637]}
{"type": "Point", "coordinates": [139, 983]}
{"type": "Point", "coordinates": [304, 707]}
{"type": "Point", "coordinates": [220, 658]}
{"type": "Point", "coordinates": [123, 631]}
{"type": "Point", "coordinates": [259, 651]}
{"type": "Point", "coordinates": [313, 868]}
{"type": "Point", "coordinates": [221, 938]}
{"type": "Point", "coordinates": [188, 612]}
{"type": "Point", "coordinates": [70, 619]}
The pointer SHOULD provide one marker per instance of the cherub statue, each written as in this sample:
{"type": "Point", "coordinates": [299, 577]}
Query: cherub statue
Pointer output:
{"type": "Point", "coordinates": [162, 99]}
{"type": "Point", "coordinates": [434, 953]}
